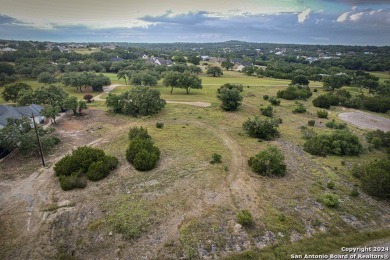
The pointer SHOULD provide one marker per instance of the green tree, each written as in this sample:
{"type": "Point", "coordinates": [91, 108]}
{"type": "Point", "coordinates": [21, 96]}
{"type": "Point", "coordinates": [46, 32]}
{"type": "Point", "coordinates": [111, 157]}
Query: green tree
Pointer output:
{"type": "Point", "coordinates": [81, 106]}
{"type": "Point", "coordinates": [194, 59]}
{"type": "Point", "coordinates": [139, 101]}
{"type": "Point", "coordinates": [262, 129]}
{"type": "Point", "coordinates": [51, 112]}
{"type": "Point", "coordinates": [227, 65]}
{"type": "Point", "coordinates": [10, 92]}
{"type": "Point", "coordinates": [46, 77]}
{"type": "Point", "coordinates": [215, 71]}
{"type": "Point", "coordinates": [72, 104]}
{"type": "Point", "coordinates": [376, 178]}
{"type": "Point", "coordinates": [231, 98]}
{"type": "Point", "coordinates": [300, 80]}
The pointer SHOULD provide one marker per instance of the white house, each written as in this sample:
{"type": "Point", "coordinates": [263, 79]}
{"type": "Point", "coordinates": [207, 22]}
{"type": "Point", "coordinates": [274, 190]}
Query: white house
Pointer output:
{"type": "Point", "coordinates": [20, 112]}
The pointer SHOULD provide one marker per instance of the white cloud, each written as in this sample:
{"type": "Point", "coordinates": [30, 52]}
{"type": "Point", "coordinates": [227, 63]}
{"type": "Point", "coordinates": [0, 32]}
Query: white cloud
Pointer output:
{"type": "Point", "coordinates": [355, 17]}
{"type": "Point", "coordinates": [304, 15]}
{"type": "Point", "coordinates": [354, 8]}
{"type": "Point", "coordinates": [343, 17]}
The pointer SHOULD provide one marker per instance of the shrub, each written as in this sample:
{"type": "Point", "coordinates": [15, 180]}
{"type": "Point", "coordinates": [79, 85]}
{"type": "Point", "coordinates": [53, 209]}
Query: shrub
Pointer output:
{"type": "Point", "coordinates": [311, 122]}
{"type": "Point", "coordinates": [268, 162]}
{"type": "Point", "coordinates": [300, 109]}
{"type": "Point", "coordinates": [267, 111]}
{"type": "Point", "coordinates": [300, 79]}
{"type": "Point", "coordinates": [295, 92]}
{"type": "Point", "coordinates": [378, 138]}
{"type": "Point", "coordinates": [332, 124]}
{"type": "Point", "coordinates": [274, 101]}
{"type": "Point", "coordinates": [330, 185]}
{"type": "Point", "coordinates": [230, 96]}
{"type": "Point", "coordinates": [337, 143]}
{"type": "Point", "coordinates": [83, 162]}
{"type": "Point", "coordinates": [330, 200]}
{"type": "Point", "coordinates": [322, 114]}
{"type": "Point", "coordinates": [160, 125]}
{"type": "Point", "coordinates": [354, 192]}
{"type": "Point", "coordinates": [375, 178]}
{"type": "Point", "coordinates": [142, 154]}
{"type": "Point", "coordinates": [380, 104]}
{"type": "Point", "coordinates": [325, 101]}
{"type": "Point", "coordinates": [262, 129]}
{"type": "Point", "coordinates": [138, 132]}
{"type": "Point", "coordinates": [73, 181]}
{"type": "Point", "coordinates": [357, 170]}
{"type": "Point", "coordinates": [307, 133]}
{"type": "Point", "coordinates": [315, 90]}
{"type": "Point", "coordinates": [265, 97]}
{"type": "Point", "coordinates": [216, 158]}
{"type": "Point", "coordinates": [146, 160]}
{"type": "Point", "coordinates": [244, 217]}
{"type": "Point", "coordinates": [98, 170]}
{"type": "Point", "coordinates": [111, 161]}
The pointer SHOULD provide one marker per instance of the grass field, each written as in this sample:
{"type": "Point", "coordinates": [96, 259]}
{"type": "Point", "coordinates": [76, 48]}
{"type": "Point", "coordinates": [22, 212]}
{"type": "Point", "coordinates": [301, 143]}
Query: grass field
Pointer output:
{"type": "Point", "coordinates": [187, 207]}
{"type": "Point", "coordinates": [382, 75]}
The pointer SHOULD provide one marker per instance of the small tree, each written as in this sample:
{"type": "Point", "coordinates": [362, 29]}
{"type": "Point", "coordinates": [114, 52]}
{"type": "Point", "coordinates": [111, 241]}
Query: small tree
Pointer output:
{"type": "Point", "coordinates": [376, 178]}
{"type": "Point", "coordinates": [88, 97]}
{"type": "Point", "coordinates": [46, 77]}
{"type": "Point", "coordinates": [81, 106]}
{"type": "Point", "coordinates": [51, 112]}
{"type": "Point", "coordinates": [230, 97]}
{"type": "Point", "coordinates": [268, 162]}
{"type": "Point", "coordinates": [72, 104]}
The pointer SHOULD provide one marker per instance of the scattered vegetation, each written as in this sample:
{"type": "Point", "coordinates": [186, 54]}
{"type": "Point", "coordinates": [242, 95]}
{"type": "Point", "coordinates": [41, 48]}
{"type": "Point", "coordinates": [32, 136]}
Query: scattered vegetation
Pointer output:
{"type": "Point", "coordinates": [330, 200]}
{"type": "Point", "coordinates": [299, 109]}
{"type": "Point", "coordinates": [267, 111]}
{"type": "Point", "coordinates": [311, 122]}
{"type": "Point", "coordinates": [244, 217]}
{"type": "Point", "coordinates": [216, 158]}
{"type": "Point", "coordinates": [295, 92]}
{"type": "Point", "coordinates": [322, 114]}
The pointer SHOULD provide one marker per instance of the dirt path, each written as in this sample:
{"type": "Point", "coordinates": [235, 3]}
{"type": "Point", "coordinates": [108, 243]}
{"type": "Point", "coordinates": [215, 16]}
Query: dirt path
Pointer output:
{"type": "Point", "coordinates": [107, 89]}
{"type": "Point", "coordinates": [365, 120]}
{"type": "Point", "coordinates": [194, 103]}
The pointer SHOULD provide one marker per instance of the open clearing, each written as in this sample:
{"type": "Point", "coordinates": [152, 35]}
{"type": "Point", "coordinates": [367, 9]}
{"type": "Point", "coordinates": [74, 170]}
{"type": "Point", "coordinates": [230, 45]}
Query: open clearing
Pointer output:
{"type": "Point", "coordinates": [366, 120]}
{"type": "Point", "coordinates": [186, 207]}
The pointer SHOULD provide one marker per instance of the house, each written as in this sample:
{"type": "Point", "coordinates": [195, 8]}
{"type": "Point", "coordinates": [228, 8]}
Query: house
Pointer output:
{"type": "Point", "coordinates": [145, 57]}
{"type": "Point", "coordinates": [20, 112]}
{"type": "Point", "coordinates": [159, 61]}
{"type": "Point", "coordinates": [8, 49]}
{"type": "Point", "coordinates": [109, 47]}
{"type": "Point", "coordinates": [205, 58]}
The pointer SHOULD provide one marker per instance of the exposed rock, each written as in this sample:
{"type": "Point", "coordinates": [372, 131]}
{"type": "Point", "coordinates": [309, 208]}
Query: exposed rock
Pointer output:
{"type": "Point", "coordinates": [295, 236]}
{"type": "Point", "coordinates": [263, 241]}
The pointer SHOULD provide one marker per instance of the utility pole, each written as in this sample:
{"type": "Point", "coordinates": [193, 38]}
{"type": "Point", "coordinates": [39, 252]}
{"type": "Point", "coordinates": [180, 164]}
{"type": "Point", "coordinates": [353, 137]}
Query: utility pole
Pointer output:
{"type": "Point", "coordinates": [39, 141]}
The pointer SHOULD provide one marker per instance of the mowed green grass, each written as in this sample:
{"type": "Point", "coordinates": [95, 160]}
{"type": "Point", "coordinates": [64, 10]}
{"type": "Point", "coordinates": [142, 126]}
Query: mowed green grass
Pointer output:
{"type": "Point", "coordinates": [382, 75]}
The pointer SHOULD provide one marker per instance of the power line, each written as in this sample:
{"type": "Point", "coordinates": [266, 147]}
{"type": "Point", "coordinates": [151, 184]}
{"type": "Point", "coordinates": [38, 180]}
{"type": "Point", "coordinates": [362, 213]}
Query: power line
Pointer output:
{"type": "Point", "coordinates": [39, 141]}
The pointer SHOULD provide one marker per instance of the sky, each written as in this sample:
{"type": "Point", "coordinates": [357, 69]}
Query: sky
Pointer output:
{"type": "Point", "coordinates": [350, 22]}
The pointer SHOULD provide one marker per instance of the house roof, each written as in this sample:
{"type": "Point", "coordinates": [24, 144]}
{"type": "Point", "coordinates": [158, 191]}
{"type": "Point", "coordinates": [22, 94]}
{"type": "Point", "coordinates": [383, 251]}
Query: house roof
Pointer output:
{"type": "Point", "coordinates": [18, 112]}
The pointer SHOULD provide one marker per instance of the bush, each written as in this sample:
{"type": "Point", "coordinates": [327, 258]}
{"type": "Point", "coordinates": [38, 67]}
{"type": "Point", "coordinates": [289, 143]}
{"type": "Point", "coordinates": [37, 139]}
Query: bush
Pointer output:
{"type": "Point", "coordinates": [84, 162]}
{"type": "Point", "coordinates": [295, 92]}
{"type": "Point", "coordinates": [337, 143]}
{"type": "Point", "coordinates": [274, 101]}
{"type": "Point", "coordinates": [262, 129]}
{"type": "Point", "coordinates": [265, 97]}
{"type": "Point", "coordinates": [330, 200]}
{"type": "Point", "coordinates": [311, 122]}
{"type": "Point", "coordinates": [315, 90]}
{"type": "Point", "coordinates": [357, 170]}
{"type": "Point", "coordinates": [98, 170]}
{"type": "Point", "coordinates": [142, 154]}
{"type": "Point", "coordinates": [244, 217]}
{"type": "Point", "coordinates": [267, 111]}
{"type": "Point", "coordinates": [73, 181]}
{"type": "Point", "coordinates": [375, 178]}
{"type": "Point", "coordinates": [300, 109]}
{"type": "Point", "coordinates": [307, 133]}
{"type": "Point", "coordinates": [88, 97]}
{"type": "Point", "coordinates": [330, 185]}
{"type": "Point", "coordinates": [354, 192]}
{"type": "Point", "coordinates": [300, 79]}
{"type": "Point", "coordinates": [332, 124]}
{"type": "Point", "coordinates": [322, 114]}
{"type": "Point", "coordinates": [377, 104]}
{"type": "Point", "coordinates": [138, 132]}
{"type": "Point", "coordinates": [325, 101]}
{"type": "Point", "coordinates": [159, 125]}
{"type": "Point", "coordinates": [378, 138]}
{"type": "Point", "coordinates": [268, 162]}
{"type": "Point", "coordinates": [216, 158]}
{"type": "Point", "coordinates": [146, 160]}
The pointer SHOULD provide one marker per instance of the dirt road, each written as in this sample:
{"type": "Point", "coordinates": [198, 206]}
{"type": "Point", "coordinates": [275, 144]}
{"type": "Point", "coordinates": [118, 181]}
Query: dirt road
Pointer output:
{"type": "Point", "coordinates": [365, 120]}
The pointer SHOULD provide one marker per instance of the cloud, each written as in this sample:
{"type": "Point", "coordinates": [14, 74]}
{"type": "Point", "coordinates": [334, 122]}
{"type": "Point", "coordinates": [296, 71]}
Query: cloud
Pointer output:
{"type": "Point", "coordinates": [343, 17]}
{"type": "Point", "coordinates": [5, 19]}
{"type": "Point", "coordinates": [355, 17]}
{"type": "Point", "coordinates": [304, 15]}
{"type": "Point", "coordinates": [187, 18]}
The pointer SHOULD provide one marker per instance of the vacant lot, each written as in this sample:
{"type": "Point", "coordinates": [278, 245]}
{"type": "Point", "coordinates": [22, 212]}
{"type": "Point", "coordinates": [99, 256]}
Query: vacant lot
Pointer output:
{"type": "Point", "coordinates": [186, 207]}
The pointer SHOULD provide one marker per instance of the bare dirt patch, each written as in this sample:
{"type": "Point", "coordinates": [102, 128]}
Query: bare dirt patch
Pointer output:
{"type": "Point", "coordinates": [195, 103]}
{"type": "Point", "coordinates": [365, 120]}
